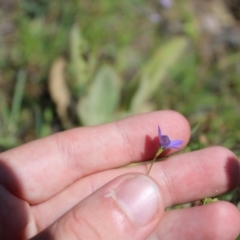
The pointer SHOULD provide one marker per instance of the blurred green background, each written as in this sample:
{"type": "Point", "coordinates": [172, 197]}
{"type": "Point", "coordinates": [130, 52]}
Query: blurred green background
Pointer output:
{"type": "Point", "coordinates": [70, 63]}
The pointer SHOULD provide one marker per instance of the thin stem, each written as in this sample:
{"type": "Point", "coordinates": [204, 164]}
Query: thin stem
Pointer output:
{"type": "Point", "coordinates": [154, 159]}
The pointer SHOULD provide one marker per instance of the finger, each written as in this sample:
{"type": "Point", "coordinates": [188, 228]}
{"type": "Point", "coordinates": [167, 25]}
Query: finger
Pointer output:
{"type": "Point", "coordinates": [57, 161]}
{"type": "Point", "coordinates": [14, 217]}
{"type": "Point", "coordinates": [183, 178]}
{"type": "Point", "coordinates": [204, 173]}
{"type": "Point", "coordinates": [216, 221]}
{"type": "Point", "coordinates": [129, 207]}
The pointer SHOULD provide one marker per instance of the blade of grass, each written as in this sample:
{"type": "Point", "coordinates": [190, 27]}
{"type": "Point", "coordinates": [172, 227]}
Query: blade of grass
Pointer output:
{"type": "Point", "coordinates": [4, 114]}
{"type": "Point", "coordinates": [17, 98]}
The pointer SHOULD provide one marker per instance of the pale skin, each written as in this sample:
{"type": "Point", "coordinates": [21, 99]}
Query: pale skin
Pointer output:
{"type": "Point", "coordinates": [61, 186]}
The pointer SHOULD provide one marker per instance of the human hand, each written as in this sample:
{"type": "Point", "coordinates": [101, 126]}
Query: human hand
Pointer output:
{"type": "Point", "coordinates": [69, 185]}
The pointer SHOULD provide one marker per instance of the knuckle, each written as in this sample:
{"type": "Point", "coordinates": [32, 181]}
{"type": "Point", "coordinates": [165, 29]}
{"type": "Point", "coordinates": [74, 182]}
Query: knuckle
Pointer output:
{"type": "Point", "coordinates": [81, 227]}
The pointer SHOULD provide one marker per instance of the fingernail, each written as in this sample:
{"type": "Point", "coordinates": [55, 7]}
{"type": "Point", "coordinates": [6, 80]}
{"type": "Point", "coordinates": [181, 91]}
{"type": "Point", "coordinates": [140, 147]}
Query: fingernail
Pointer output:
{"type": "Point", "coordinates": [139, 198]}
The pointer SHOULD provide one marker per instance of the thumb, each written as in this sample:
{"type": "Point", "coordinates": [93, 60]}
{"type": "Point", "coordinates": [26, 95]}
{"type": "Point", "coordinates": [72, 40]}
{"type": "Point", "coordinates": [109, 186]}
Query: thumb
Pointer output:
{"type": "Point", "coordinates": [129, 207]}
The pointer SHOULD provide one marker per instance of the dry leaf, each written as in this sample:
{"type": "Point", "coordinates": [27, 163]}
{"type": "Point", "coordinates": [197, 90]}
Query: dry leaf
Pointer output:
{"type": "Point", "coordinates": [58, 89]}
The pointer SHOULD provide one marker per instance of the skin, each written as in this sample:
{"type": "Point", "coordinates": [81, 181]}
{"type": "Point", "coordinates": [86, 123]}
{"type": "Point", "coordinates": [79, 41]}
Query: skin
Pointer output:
{"type": "Point", "coordinates": [55, 187]}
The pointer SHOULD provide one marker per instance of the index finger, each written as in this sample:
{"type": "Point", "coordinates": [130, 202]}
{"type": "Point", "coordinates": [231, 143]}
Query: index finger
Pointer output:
{"type": "Point", "coordinates": [46, 166]}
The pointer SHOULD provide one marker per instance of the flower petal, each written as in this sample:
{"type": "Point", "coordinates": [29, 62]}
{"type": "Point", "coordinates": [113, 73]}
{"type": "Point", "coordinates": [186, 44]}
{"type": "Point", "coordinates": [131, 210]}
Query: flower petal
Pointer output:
{"type": "Point", "coordinates": [165, 141]}
{"type": "Point", "coordinates": [175, 144]}
{"type": "Point", "coordinates": [159, 132]}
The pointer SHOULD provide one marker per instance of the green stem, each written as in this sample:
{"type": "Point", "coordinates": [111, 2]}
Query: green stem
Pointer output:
{"type": "Point", "coordinates": [154, 159]}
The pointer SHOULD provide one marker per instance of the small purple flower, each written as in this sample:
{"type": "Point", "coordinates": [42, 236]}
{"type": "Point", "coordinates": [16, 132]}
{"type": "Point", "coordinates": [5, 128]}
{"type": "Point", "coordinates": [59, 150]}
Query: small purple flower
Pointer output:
{"type": "Point", "coordinates": [166, 3]}
{"type": "Point", "coordinates": [166, 143]}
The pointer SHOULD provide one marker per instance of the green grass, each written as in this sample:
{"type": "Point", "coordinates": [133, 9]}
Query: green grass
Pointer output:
{"type": "Point", "coordinates": [148, 57]}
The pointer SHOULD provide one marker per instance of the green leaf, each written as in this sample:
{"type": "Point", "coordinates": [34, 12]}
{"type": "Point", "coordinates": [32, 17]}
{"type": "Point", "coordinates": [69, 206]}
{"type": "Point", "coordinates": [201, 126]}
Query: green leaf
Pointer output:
{"type": "Point", "coordinates": [156, 70]}
{"type": "Point", "coordinates": [80, 68]}
{"type": "Point", "coordinates": [206, 201]}
{"type": "Point", "coordinates": [7, 142]}
{"type": "Point", "coordinates": [102, 99]}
